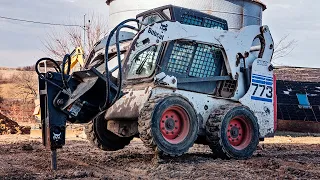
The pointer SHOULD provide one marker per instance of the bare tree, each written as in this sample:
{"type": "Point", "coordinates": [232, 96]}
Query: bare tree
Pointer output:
{"type": "Point", "coordinates": [61, 42]}
{"type": "Point", "coordinates": [284, 47]}
{"type": "Point", "coordinates": [26, 83]}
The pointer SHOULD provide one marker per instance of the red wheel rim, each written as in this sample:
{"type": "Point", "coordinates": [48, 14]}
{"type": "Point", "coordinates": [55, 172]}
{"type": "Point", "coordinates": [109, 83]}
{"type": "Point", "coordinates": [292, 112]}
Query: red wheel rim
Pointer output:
{"type": "Point", "coordinates": [239, 132]}
{"type": "Point", "coordinates": [174, 124]}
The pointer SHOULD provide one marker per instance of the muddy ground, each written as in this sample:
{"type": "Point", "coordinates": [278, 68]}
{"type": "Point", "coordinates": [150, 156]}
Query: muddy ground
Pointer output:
{"type": "Point", "coordinates": [279, 158]}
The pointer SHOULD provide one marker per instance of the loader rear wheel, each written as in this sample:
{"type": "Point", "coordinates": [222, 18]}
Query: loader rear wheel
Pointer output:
{"type": "Point", "coordinates": [100, 137]}
{"type": "Point", "coordinates": [168, 125]}
{"type": "Point", "coordinates": [232, 132]}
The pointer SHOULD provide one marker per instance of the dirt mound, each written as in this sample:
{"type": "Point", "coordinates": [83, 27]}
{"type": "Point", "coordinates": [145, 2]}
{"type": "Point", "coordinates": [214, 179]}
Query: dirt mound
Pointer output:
{"type": "Point", "coordinates": [8, 126]}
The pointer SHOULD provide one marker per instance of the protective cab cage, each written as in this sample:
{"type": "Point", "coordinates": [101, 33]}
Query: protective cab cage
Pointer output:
{"type": "Point", "coordinates": [200, 63]}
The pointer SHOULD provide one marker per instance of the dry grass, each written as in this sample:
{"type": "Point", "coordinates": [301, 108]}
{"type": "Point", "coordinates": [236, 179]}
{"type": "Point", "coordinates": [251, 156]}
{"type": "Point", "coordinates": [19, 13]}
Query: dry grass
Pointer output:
{"type": "Point", "coordinates": [18, 90]}
{"type": "Point", "coordinates": [11, 82]}
{"type": "Point", "coordinates": [9, 91]}
{"type": "Point", "coordinates": [292, 140]}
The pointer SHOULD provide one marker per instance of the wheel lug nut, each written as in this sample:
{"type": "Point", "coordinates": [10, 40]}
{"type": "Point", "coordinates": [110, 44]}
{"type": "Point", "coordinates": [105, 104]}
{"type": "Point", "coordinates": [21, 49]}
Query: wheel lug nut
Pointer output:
{"type": "Point", "coordinates": [167, 132]}
{"type": "Point", "coordinates": [172, 132]}
{"type": "Point", "coordinates": [162, 121]}
{"type": "Point", "coordinates": [171, 116]}
{"type": "Point", "coordinates": [175, 121]}
{"type": "Point", "coordinates": [166, 116]}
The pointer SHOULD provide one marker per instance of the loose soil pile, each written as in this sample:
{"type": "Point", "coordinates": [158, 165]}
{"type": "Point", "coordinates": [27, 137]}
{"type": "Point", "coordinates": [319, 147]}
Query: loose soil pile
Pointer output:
{"type": "Point", "coordinates": [8, 126]}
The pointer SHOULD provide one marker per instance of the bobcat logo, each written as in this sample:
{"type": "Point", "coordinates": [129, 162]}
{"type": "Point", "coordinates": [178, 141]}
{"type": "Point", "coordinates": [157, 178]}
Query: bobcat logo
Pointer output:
{"type": "Point", "coordinates": [56, 137]}
{"type": "Point", "coordinates": [156, 34]}
{"type": "Point", "coordinates": [164, 27]}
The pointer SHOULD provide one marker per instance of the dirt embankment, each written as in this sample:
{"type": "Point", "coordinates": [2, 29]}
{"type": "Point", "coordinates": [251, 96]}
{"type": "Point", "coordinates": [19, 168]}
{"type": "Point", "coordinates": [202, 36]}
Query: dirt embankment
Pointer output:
{"type": "Point", "coordinates": [8, 126]}
{"type": "Point", "coordinates": [283, 158]}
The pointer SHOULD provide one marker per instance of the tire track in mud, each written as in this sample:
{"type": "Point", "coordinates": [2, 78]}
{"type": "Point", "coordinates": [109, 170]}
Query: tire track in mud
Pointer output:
{"type": "Point", "coordinates": [29, 160]}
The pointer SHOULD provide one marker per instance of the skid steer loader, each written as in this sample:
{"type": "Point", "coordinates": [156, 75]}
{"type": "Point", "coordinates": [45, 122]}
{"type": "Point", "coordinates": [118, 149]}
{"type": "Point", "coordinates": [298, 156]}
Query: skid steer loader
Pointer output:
{"type": "Point", "coordinates": [181, 78]}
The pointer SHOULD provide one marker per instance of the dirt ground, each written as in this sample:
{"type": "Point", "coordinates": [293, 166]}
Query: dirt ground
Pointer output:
{"type": "Point", "coordinates": [280, 158]}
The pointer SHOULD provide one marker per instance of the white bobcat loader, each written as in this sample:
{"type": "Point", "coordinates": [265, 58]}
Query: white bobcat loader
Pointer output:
{"type": "Point", "coordinates": [183, 79]}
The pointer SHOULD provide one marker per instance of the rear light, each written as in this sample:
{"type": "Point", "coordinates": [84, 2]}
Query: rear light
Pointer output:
{"type": "Point", "coordinates": [275, 106]}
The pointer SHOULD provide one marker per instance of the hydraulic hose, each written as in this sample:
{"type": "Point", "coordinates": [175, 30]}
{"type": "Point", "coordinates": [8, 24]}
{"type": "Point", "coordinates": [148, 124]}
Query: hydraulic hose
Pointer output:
{"type": "Point", "coordinates": [63, 73]}
{"type": "Point", "coordinates": [119, 59]}
{"type": "Point", "coordinates": [106, 59]}
{"type": "Point", "coordinates": [57, 67]}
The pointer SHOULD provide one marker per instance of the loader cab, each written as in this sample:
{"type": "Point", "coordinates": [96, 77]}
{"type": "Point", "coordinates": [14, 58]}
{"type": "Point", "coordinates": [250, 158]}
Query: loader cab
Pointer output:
{"type": "Point", "coordinates": [182, 15]}
{"type": "Point", "coordinates": [190, 62]}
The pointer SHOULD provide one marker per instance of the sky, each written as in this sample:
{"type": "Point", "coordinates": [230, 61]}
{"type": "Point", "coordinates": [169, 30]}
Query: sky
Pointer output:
{"type": "Point", "coordinates": [21, 44]}
{"type": "Point", "coordinates": [300, 19]}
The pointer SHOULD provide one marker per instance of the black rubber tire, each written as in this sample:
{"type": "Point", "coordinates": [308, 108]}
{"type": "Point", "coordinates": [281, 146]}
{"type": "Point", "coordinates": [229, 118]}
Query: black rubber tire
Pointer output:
{"type": "Point", "coordinates": [216, 132]}
{"type": "Point", "coordinates": [149, 127]}
{"type": "Point", "coordinates": [100, 137]}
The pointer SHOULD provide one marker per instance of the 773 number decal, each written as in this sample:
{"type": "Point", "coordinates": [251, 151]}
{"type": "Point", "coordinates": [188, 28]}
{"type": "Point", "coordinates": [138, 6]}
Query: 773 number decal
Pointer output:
{"type": "Point", "coordinates": [262, 90]}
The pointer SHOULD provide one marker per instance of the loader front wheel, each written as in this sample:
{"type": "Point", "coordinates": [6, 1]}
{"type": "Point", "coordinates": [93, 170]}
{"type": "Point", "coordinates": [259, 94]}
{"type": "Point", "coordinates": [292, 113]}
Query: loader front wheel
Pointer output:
{"type": "Point", "coordinates": [232, 132]}
{"type": "Point", "coordinates": [100, 137]}
{"type": "Point", "coordinates": [168, 125]}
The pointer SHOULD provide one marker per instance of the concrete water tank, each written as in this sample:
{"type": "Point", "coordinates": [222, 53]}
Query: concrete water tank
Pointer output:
{"type": "Point", "coordinates": [238, 13]}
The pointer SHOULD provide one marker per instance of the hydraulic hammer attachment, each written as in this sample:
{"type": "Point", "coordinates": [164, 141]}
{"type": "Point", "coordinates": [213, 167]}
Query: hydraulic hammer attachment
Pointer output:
{"type": "Point", "coordinates": [78, 102]}
{"type": "Point", "coordinates": [53, 131]}
{"type": "Point", "coordinates": [79, 97]}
